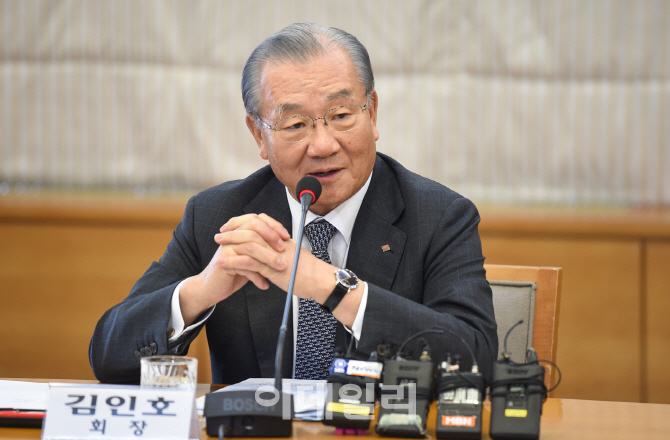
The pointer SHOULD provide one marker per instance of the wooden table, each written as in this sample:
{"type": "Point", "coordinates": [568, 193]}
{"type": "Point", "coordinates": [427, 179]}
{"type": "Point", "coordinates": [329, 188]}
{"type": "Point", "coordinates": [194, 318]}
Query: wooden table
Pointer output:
{"type": "Point", "coordinates": [561, 419]}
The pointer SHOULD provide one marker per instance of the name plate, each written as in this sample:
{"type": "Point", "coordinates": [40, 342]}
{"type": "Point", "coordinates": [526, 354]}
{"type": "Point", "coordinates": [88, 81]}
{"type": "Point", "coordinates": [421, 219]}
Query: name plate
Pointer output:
{"type": "Point", "coordinates": [83, 411]}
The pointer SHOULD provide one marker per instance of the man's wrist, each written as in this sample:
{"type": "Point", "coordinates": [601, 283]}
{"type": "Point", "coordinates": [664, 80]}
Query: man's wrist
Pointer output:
{"type": "Point", "coordinates": [176, 322]}
{"type": "Point", "coordinates": [190, 309]}
{"type": "Point", "coordinates": [314, 279]}
{"type": "Point", "coordinates": [345, 281]}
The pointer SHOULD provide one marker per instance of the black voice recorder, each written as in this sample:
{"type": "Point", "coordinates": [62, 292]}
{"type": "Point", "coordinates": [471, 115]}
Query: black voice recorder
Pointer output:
{"type": "Point", "coordinates": [517, 394]}
{"type": "Point", "coordinates": [406, 393]}
{"type": "Point", "coordinates": [460, 396]}
{"type": "Point", "coordinates": [352, 390]}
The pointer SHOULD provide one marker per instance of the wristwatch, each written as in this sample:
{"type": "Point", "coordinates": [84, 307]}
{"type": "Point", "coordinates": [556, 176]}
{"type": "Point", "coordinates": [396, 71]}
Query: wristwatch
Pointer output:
{"type": "Point", "coordinates": [346, 280]}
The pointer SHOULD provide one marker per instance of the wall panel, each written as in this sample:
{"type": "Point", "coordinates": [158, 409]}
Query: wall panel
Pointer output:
{"type": "Point", "coordinates": [598, 332]}
{"type": "Point", "coordinates": [58, 281]}
{"type": "Point", "coordinates": [65, 260]}
{"type": "Point", "coordinates": [658, 320]}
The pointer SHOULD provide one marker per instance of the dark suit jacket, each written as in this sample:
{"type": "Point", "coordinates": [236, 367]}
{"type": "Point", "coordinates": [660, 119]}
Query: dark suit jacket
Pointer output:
{"type": "Point", "coordinates": [433, 276]}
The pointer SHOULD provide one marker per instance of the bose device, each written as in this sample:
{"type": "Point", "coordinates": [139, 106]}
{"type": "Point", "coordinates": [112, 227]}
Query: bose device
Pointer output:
{"type": "Point", "coordinates": [264, 412]}
{"type": "Point", "coordinates": [517, 394]}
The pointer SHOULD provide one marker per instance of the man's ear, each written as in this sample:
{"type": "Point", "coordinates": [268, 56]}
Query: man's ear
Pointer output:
{"type": "Point", "coordinates": [256, 133]}
{"type": "Point", "coordinates": [372, 108]}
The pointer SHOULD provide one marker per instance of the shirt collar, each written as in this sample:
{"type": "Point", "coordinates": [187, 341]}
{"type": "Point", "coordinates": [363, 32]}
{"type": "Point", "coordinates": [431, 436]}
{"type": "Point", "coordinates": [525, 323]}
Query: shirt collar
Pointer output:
{"type": "Point", "coordinates": [343, 217]}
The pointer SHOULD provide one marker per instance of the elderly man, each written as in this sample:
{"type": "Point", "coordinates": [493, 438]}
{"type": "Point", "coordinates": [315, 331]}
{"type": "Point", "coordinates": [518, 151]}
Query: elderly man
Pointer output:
{"type": "Point", "coordinates": [387, 252]}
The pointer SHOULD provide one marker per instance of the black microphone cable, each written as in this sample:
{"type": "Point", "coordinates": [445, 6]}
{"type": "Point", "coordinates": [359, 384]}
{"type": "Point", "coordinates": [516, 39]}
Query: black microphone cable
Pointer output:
{"type": "Point", "coordinates": [532, 380]}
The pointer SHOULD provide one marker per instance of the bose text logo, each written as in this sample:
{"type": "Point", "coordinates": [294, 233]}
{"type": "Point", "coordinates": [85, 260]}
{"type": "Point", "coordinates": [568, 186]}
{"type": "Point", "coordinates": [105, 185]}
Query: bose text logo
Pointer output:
{"type": "Point", "coordinates": [243, 405]}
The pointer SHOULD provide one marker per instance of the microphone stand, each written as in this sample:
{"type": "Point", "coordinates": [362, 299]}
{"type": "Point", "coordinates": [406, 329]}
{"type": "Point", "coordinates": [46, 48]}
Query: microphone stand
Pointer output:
{"type": "Point", "coordinates": [306, 200]}
{"type": "Point", "coordinates": [239, 413]}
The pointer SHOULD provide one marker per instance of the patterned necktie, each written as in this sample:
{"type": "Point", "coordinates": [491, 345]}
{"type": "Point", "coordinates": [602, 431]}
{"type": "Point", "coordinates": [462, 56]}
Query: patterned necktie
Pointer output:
{"type": "Point", "coordinates": [316, 327]}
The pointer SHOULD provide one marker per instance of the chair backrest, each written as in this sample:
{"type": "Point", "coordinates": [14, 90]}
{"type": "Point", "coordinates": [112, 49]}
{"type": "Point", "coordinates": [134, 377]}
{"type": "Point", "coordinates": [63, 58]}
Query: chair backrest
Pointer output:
{"type": "Point", "coordinates": [532, 294]}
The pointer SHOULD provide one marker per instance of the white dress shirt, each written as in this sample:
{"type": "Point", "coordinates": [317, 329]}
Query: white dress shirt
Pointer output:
{"type": "Point", "coordinates": [343, 218]}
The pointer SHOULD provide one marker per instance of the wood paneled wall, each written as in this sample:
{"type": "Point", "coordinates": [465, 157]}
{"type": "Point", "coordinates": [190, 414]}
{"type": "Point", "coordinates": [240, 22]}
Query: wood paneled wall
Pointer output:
{"type": "Point", "coordinates": [66, 259]}
{"type": "Point", "coordinates": [612, 336]}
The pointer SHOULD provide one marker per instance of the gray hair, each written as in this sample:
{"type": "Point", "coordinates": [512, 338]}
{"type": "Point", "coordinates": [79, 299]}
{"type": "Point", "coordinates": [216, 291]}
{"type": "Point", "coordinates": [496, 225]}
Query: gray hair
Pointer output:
{"type": "Point", "coordinates": [299, 43]}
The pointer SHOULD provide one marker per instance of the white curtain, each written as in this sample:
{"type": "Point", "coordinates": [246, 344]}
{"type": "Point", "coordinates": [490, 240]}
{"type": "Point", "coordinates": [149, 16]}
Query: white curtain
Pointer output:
{"type": "Point", "coordinates": [510, 101]}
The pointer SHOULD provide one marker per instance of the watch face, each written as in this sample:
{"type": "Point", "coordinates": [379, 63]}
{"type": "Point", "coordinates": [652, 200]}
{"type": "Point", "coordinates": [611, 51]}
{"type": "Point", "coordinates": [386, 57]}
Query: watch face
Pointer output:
{"type": "Point", "coordinates": [347, 278]}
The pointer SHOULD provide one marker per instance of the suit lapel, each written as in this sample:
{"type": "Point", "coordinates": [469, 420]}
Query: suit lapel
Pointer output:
{"type": "Point", "coordinates": [266, 307]}
{"type": "Point", "coordinates": [376, 244]}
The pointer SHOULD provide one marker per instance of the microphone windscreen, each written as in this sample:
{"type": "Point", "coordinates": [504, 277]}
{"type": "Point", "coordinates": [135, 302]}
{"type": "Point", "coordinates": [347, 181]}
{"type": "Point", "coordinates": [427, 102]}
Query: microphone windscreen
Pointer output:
{"type": "Point", "coordinates": [309, 184]}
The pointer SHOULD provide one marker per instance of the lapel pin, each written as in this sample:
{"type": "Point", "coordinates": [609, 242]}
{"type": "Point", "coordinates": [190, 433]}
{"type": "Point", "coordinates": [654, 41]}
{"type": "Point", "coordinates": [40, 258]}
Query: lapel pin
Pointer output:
{"type": "Point", "coordinates": [386, 248]}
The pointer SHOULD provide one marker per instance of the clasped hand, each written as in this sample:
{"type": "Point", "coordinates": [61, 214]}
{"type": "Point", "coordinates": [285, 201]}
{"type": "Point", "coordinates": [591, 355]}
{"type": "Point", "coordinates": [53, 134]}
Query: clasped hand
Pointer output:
{"type": "Point", "coordinates": [256, 248]}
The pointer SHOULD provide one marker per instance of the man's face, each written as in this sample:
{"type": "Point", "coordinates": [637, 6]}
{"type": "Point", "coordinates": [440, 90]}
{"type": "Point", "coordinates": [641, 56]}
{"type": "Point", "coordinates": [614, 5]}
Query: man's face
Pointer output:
{"type": "Point", "coordinates": [341, 161]}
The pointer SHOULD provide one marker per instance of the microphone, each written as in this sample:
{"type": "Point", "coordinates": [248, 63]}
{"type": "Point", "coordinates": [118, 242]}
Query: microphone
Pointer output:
{"type": "Point", "coordinates": [308, 186]}
{"type": "Point", "coordinates": [246, 413]}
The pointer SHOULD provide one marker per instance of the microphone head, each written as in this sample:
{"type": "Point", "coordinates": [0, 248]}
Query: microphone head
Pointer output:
{"type": "Point", "coordinates": [309, 185]}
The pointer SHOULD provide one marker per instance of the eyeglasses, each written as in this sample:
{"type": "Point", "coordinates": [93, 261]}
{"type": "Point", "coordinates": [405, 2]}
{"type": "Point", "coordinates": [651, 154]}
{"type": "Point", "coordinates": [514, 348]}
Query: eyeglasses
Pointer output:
{"type": "Point", "coordinates": [298, 128]}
